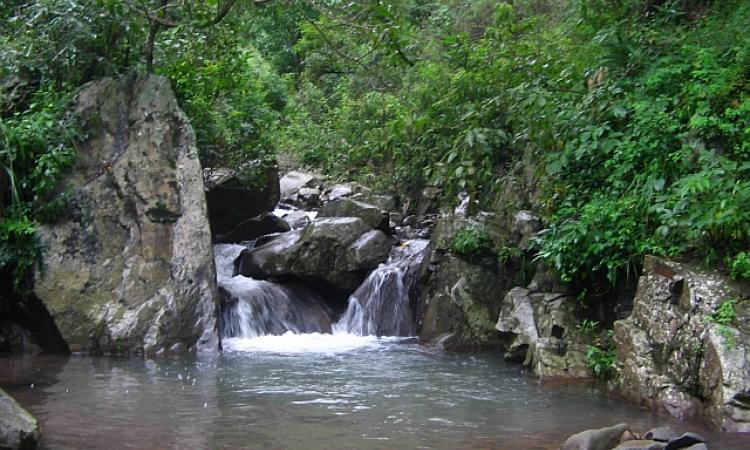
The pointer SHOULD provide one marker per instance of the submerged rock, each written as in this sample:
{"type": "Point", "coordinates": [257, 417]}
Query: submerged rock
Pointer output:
{"type": "Point", "coordinates": [600, 439]}
{"type": "Point", "coordinates": [130, 269]}
{"type": "Point", "coordinates": [670, 355]}
{"type": "Point", "coordinates": [19, 430]}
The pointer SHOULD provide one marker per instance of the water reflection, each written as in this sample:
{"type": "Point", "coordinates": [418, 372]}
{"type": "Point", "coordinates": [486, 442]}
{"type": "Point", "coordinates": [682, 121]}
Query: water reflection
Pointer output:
{"type": "Point", "coordinates": [391, 395]}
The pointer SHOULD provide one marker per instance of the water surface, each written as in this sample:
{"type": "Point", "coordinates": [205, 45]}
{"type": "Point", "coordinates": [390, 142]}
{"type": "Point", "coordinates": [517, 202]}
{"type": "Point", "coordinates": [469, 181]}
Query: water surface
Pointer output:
{"type": "Point", "coordinates": [311, 392]}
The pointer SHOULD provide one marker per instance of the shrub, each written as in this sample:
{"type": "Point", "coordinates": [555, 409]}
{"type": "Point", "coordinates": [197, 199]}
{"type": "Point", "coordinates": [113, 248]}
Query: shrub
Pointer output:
{"type": "Point", "coordinates": [471, 242]}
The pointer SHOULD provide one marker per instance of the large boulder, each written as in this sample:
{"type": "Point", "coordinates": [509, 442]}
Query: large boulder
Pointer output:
{"type": "Point", "coordinates": [254, 228]}
{"type": "Point", "coordinates": [235, 196]}
{"type": "Point", "coordinates": [130, 269]}
{"type": "Point", "coordinates": [539, 329]}
{"type": "Point", "coordinates": [670, 354]}
{"type": "Point", "coordinates": [460, 306]}
{"type": "Point", "coordinates": [371, 215]}
{"type": "Point", "coordinates": [19, 430]}
{"type": "Point", "coordinates": [334, 251]}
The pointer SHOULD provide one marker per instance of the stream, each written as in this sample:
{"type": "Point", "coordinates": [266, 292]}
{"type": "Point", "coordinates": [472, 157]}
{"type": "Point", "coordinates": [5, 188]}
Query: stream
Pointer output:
{"type": "Point", "coordinates": [281, 382]}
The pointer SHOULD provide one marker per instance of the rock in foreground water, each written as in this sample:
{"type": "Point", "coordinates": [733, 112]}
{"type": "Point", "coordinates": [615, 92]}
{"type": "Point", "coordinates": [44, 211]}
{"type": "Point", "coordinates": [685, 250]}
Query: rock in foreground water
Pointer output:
{"type": "Point", "coordinates": [18, 429]}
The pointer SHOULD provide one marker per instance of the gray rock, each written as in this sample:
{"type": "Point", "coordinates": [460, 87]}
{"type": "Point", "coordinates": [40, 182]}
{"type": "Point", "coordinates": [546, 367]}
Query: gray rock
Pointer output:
{"type": "Point", "coordinates": [684, 441]}
{"type": "Point", "coordinates": [600, 439]}
{"type": "Point", "coordinates": [371, 249]}
{"type": "Point", "coordinates": [644, 444]}
{"type": "Point", "coordinates": [459, 308]}
{"type": "Point", "coordinates": [373, 216]}
{"type": "Point", "coordinates": [296, 219]}
{"type": "Point", "coordinates": [339, 191]}
{"type": "Point", "coordinates": [697, 447]}
{"type": "Point", "coordinates": [668, 351]}
{"type": "Point", "coordinates": [524, 227]}
{"type": "Point", "coordinates": [334, 251]}
{"type": "Point", "coordinates": [384, 202]}
{"type": "Point", "coordinates": [536, 330]}
{"type": "Point", "coordinates": [18, 429]}
{"type": "Point", "coordinates": [254, 228]}
{"type": "Point", "coordinates": [661, 434]}
{"type": "Point", "coordinates": [293, 181]}
{"type": "Point", "coordinates": [131, 268]}
{"type": "Point", "coordinates": [234, 196]}
{"type": "Point", "coordinates": [516, 319]}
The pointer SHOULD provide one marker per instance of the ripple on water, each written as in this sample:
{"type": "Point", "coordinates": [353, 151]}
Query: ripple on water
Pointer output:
{"type": "Point", "coordinates": [311, 392]}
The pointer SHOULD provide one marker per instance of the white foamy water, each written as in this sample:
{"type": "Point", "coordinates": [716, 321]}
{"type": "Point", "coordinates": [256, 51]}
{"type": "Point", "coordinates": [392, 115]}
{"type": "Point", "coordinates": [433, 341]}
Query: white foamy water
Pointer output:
{"type": "Point", "coordinates": [291, 343]}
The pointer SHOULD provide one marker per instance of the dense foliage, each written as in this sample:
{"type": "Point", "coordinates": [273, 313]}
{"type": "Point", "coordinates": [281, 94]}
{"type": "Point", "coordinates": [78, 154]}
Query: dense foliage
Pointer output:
{"type": "Point", "coordinates": [637, 111]}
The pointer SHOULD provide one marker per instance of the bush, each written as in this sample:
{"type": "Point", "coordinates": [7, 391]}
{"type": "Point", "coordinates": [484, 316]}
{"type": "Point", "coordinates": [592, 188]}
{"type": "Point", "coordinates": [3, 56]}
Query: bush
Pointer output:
{"type": "Point", "coordinates": [471, 242]}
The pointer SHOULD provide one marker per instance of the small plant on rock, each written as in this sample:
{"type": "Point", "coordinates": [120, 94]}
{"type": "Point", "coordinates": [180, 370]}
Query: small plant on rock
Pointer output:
{"type": "Point", "coordinates": [601, 356]}
{"type": "Point", "coordinates": [471, 242]}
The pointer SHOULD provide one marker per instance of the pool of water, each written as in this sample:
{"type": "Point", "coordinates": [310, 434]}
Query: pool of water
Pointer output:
{"type": "Point", "coordinates": [312, 392]}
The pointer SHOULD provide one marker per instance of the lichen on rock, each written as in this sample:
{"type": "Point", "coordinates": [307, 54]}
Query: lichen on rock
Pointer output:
{"type": "Point", "coordinates": [130, 270]}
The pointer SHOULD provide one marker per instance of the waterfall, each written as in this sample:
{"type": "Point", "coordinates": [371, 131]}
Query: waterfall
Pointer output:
{"type": "Point", "coordinates": [256, 308]}
{"type": "Point", "coordinates": [381, 306]}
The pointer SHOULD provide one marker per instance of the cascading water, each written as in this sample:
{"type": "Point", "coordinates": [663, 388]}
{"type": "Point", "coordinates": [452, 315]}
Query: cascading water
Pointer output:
{"type": "Point", "coordinates": [265, 316]}
{"type": "Point", "coordinates": [381, 305]}
{"type": "Point", "coordinates": [258, 308]}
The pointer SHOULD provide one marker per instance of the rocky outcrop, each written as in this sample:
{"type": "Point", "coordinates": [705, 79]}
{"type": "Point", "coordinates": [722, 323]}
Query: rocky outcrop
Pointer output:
{"type": "Point", "coordinates": [539, 330]}
{"type": "Point", "coordinates": [19, 430]}
{"type": "Point", "coordinates": [337, 252]}
{"type": "Point", "coordinates": [672, 357]}
{"type": "Point", "coordinates": [460, 306]}
{"type": "Point", "coordinates": [130, 269]}
{"type": "Point", "coordinates": [235, 196]}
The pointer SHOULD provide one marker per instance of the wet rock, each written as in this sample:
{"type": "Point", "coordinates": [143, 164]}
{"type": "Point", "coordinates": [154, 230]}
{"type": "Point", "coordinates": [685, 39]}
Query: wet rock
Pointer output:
{"type": "Point", "coordinates": [697, 447]}
{"type": "Point", "coordinates": [371, 215]}
{"type": "Point", "coordinates": [641, 445]}
{"type": "Point", "coordinates": [600, 439]}
{"type": "Point", "coordinates": [371, 249]}
{"type": "Point", "coordinates": [334, 251]}
{"type": "Point", "coordinates": [668, 351]}
{"type": "Point", "coordinates": [254, 228]}
{"type": "Point", "coordinates": [131, 268]}
{"type": "Point", "coordinates": [685, 441]}
{"type": "Point", "coordinates": [538, 330]}
{"type": "Point", "coordinates": [296, 218]}
{"type": "Point", "coordinates": [384, 202]}
{"type": "Point", "coordinates": [308, 198]}
{"type": "Point", "coordinates": [292, 182]}
{"type": "Point", "coordinates": [19, 430]}
{"type": "Point", "coordinates": [460, 306]}
{"type": "Point", "coordinates": [235, 196]}
{"type": "Point", "coordinates": [661, 434]}
{"type": "Point", "coordinates": [517, 320]}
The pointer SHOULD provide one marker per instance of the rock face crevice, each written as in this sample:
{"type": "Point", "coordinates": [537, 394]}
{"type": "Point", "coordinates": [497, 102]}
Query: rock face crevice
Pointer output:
{"type": "Point", "coordinates": [672, 357]}
{"type": "Point", "coordinates": [131, 268]}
